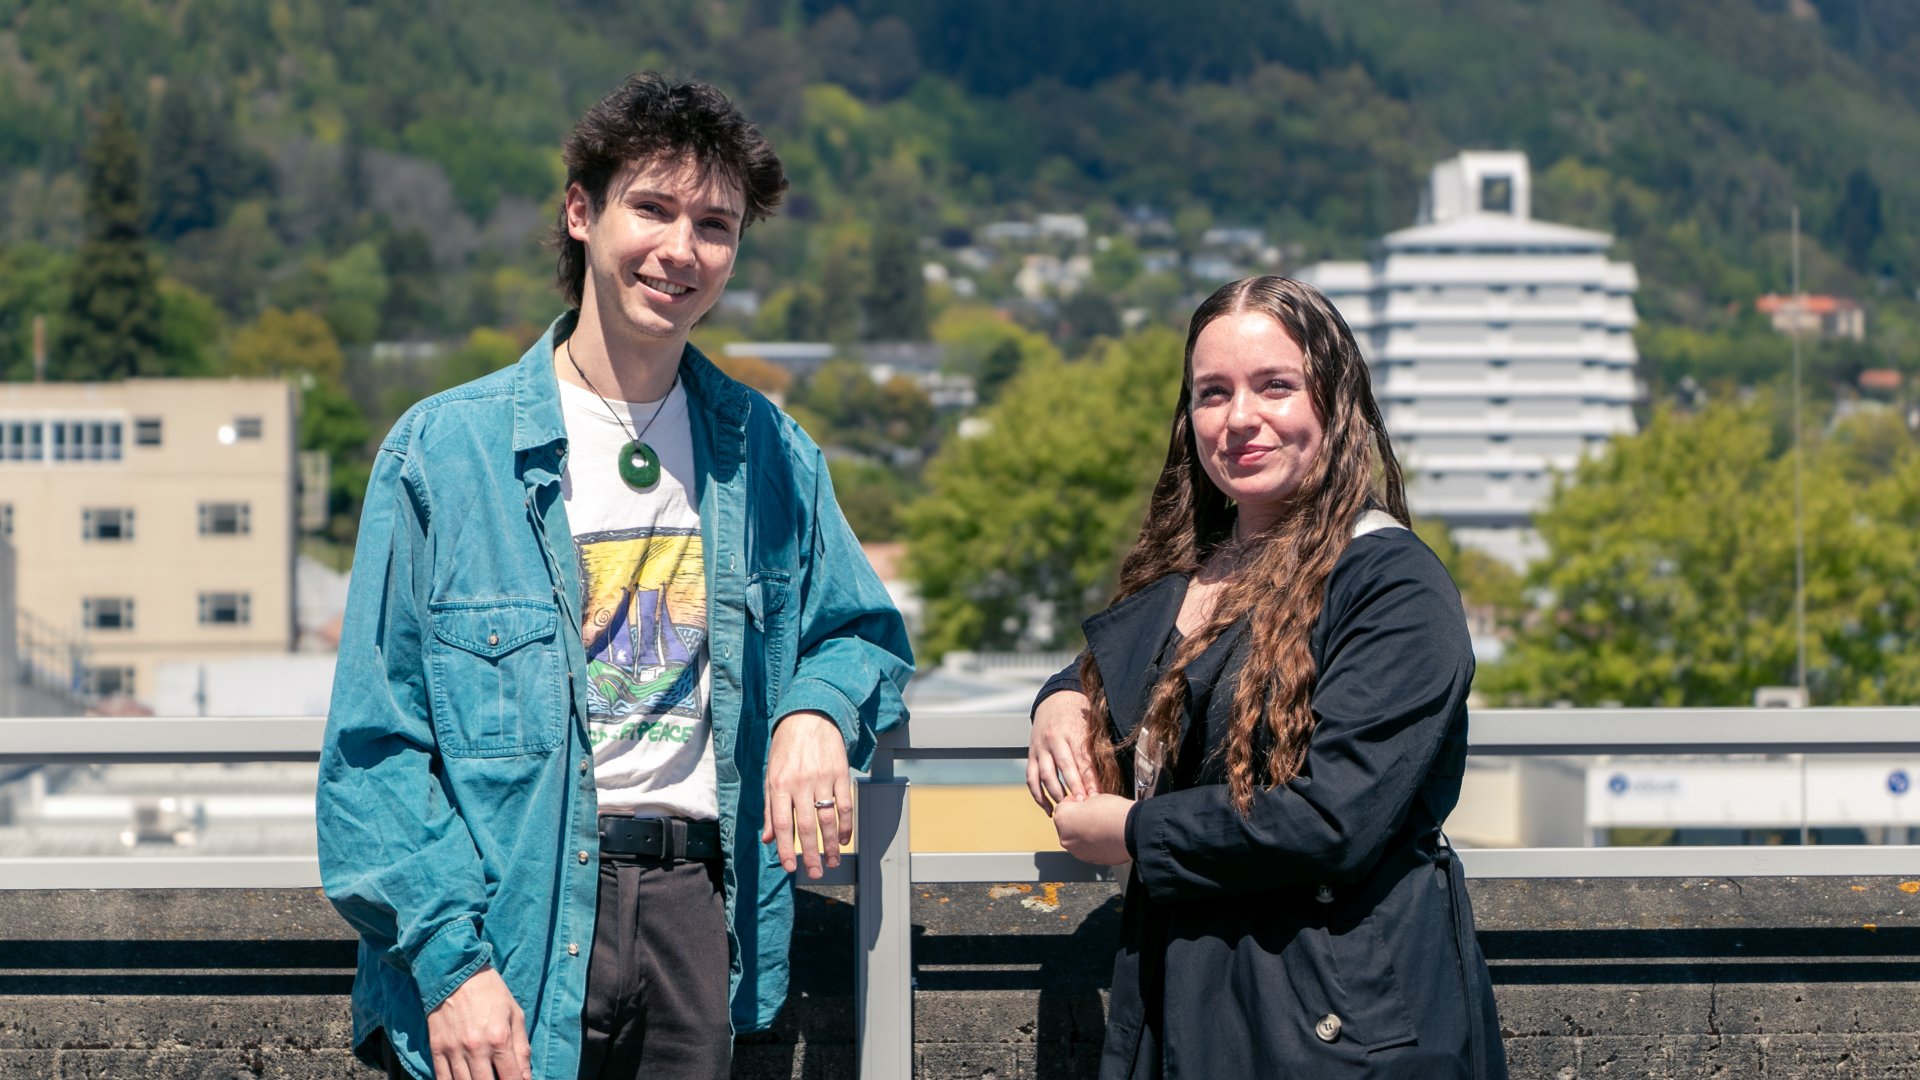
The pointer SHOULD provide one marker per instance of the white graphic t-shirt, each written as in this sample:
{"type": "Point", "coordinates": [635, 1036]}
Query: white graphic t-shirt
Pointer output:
{"type": "Point", "coordinates": [643, 608]}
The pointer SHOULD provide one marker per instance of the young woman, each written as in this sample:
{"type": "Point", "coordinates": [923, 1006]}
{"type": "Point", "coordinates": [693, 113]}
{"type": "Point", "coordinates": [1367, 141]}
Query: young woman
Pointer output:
{"type": "Point", "coordinates": [1270, 723]}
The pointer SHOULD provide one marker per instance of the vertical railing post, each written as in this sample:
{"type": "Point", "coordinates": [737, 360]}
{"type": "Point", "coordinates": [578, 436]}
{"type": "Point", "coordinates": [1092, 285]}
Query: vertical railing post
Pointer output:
{"type": "Point", "coordinates": [883, 956]}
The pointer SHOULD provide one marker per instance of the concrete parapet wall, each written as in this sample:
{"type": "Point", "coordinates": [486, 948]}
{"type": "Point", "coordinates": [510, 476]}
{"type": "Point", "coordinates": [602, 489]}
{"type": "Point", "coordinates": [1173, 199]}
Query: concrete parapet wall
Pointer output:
{"type": "Point", "coordinates": [1761, 978]}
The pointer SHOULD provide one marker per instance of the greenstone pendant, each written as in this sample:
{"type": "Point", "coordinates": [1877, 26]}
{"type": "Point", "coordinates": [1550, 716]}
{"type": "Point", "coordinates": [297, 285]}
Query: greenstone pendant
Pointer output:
{"type": "Point", "coordinates": [639, 465]}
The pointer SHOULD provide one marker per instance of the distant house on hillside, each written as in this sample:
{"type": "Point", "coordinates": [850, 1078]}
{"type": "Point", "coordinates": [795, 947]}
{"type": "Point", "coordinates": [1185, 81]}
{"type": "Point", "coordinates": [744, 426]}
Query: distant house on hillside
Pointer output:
{"type": "Point", "coordinates": [1823, 316]}
{"type": "Point", "coordinates": [799, 358]}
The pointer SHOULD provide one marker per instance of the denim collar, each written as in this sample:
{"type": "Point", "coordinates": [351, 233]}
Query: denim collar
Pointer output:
{"type": "Point", "coordinates": [536, 395]}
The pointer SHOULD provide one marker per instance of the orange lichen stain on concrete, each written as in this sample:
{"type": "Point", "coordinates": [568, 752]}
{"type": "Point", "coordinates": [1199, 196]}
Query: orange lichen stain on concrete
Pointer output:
{"type": "Point", "coordinates": [1910, 886]}
{"type": "Point", "coordinates": [1870, 927]}
{"type": "Point", "coordinates": [1047, 901]}
{"type": "Point", "coordinates": [1858, 888]}
{"type": "Point", "coordinates": [946, 899]}
{"type": "Point", "coordinates": [1001, 892]}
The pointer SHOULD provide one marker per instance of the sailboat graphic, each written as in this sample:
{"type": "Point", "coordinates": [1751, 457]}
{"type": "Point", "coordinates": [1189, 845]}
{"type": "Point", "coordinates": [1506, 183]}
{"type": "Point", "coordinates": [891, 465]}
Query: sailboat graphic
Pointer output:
{"type": "Point", "coordinates": [644, 645]}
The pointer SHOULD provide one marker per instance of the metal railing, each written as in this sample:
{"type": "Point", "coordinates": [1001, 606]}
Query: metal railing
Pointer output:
{"type": "Point", "coordinates": [884, 870]}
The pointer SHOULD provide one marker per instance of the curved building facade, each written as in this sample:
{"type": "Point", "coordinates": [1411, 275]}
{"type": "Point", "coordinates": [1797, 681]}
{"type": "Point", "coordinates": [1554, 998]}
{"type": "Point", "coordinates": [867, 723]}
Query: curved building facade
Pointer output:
{"type": "Point", "coordinates": [1501, 348]}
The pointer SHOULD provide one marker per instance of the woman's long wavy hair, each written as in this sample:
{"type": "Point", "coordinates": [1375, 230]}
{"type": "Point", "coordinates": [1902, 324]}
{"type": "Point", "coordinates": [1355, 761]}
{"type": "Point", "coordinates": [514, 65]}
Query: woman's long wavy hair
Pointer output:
{"type": "Point", "coordinates": [1280, 583]}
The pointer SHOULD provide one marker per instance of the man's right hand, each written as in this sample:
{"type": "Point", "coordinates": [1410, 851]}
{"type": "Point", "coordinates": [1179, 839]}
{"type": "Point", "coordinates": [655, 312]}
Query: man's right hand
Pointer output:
{"type": "Point", "coordinates": [1061, 747]}
{"type": "Point", "coordinates": [479, 1032]}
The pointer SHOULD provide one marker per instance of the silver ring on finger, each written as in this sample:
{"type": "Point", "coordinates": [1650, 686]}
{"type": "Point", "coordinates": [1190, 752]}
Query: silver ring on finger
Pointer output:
{"type": "Point", "coordinates": [823, 804]}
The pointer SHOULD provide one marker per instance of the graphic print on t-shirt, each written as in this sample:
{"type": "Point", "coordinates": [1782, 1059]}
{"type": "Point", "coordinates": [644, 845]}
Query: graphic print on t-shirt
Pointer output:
{"type": "Point", "coordinates": [643, 622]}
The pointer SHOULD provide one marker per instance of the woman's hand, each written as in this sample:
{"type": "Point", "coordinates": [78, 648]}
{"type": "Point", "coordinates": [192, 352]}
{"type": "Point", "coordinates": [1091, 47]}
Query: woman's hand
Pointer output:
{"type": "Point", "coordinates": [1061, 746]}
{"type": "Point", "coordinates": [1094, 829]}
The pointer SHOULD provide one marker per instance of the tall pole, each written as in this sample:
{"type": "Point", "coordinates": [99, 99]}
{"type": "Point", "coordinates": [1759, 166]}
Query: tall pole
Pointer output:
{"type": "Point", "coordinates": [1799, 501]}
{"type": "Point", "coordinates": [1799, 524]}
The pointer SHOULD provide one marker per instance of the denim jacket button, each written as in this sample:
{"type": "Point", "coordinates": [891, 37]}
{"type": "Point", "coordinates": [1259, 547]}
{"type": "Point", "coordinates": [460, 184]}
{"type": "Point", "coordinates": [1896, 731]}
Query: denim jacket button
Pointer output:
{"type": "Point", "coordinates": [583, 856]}
{"type": "Point", "coordinates": [573, 949]}
{"type": "Point", "coordinates": [585, 764]}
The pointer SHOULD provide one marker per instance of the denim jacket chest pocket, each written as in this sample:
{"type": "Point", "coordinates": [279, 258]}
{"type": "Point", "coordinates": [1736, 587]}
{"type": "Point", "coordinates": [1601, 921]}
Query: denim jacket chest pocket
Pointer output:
{"type": "Point", "coordinates": [496, 674]}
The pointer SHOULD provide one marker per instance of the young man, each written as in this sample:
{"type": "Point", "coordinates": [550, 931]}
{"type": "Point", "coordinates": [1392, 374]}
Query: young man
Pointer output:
{"type": "Point", "coordinates": [609, 645]}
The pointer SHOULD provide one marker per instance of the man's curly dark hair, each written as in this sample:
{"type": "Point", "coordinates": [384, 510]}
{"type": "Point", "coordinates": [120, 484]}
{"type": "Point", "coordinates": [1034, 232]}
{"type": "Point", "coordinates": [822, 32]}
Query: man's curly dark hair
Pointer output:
{"type": "Point", "coordinates": [650, 117]}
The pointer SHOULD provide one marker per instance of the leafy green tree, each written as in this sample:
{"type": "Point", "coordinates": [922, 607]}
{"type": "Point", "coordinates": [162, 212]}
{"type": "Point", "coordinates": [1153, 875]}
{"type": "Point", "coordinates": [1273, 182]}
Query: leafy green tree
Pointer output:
{"type": "Point", "coordinates": [200, 168]}
{"type": "Point", "coordinates": [231, 263]}
{"type": "Point", "coordinates": [300, 346]}
{"type": "Point", "coordinates": [1022, 528]}
{"type": "Point", "coordinates": [191, 328]}
{"type": "Point", "coordinates": [1669, 576]}
{"type": "Point", "coordinates": [412, 306]}
{"type": "Point", "coordinates": [1858, 223]}
{"type": "Point", "coordinates": [989, 345]}
{"type": "Point", "coordinates": [1086, 315]}
{"type": "Point", "coordinates": [297, 343]}
{"type": "Point", "coordinates": [1116, 265]}
{"type": "Point", "coordinates": [33, 282]}
{"type": "Point", "coordinates": [356, 286]}
{"type": "Point", "coordinates": [485, 351]}
{"type": "Point", "coordinates": [870, 495]}
{"type": "Point", "coordinates": [896, 300]}
{"type": "Point", "coordinates": [841, 405]}
{"type": "Point", "coordinates": [999, 366]}
{"type": "Point", "coordinates": [1486, 584]}
{"type": "Point", "coordinates": [112, 327]}
{"type": "Point", "coordinates": [836, 315]}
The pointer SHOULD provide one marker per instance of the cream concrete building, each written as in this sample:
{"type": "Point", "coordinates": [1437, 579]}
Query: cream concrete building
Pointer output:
{"type": "Point", "coordinates": [1501, 348]}
{"type": "Point", "coordinates": [153, 520]}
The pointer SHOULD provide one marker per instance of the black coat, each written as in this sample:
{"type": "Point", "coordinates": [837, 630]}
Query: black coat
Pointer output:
{"type": "Point", "coordinates": [1328, 932]}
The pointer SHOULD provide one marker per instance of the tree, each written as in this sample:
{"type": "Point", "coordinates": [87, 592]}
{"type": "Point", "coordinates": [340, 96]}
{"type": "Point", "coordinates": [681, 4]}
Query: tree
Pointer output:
{"type": "Point", "coordinates": [113, 326]}
{"type": "Point", "coordinates": [294, 342]}
{"type": "Point", "coordinates": [300, 346]}
{"type": "Point", "coordinates": [356, 288]}
{"type": "Point", "coordinates": [33, 282]}
{"type": "Point", "coordinates": [1487, 586]}
{"type": "Point", "coordinates": [1670, 568]}
{"type": "Point", "coordinates": [412, 305]}
{"type": "Point", "coordinates": [896, 299]}
{"type": "Point", "coordinates": [1001, 364]}
{"type": "Point", "coordinates": [988, 345]}
{"type": "Point", "coordinates": [841, 405]}
{"type": "Point", "coordinates": [1858, 223]}
{"type": "Point", "coordinates": [1022, 528]}
{"type": "Point", "coordinates": [191, 327]}
{"type": "Point", "coordinates": [199, 168]}
{"type": "Point", "coordinates": [836, 315]}
{"type": "Point", "coordinates": [870, 495]}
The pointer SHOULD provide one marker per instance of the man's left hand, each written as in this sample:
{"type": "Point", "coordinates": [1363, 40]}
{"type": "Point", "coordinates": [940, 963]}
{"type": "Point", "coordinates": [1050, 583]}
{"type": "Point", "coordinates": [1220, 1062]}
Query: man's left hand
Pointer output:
{"type": "Point", "coordinates": [808, 765]}
{"type": "Point", "coordinates": [1094, 829]}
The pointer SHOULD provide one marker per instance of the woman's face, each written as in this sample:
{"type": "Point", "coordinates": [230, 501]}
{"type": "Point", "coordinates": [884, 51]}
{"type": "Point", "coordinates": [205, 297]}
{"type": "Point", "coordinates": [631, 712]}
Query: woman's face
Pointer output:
{"type": "Point", "coordinates": [1253, 419]}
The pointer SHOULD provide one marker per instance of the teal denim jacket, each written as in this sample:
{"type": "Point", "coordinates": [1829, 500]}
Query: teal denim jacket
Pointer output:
{"type": "Point", "coordinates": [456, 805]}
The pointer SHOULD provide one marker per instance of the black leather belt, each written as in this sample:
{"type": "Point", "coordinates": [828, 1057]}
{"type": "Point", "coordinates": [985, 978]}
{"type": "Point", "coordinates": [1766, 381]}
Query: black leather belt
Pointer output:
{"type": "Point", "coordinates": [660, 838]}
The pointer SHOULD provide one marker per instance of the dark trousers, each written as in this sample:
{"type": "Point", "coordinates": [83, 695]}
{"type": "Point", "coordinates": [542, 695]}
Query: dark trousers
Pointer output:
{"type": "Point", "coordinates": [657, 1002]}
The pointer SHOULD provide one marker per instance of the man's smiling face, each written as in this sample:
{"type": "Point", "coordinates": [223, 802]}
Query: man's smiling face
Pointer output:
{"type": "Point", "coordinates": [661, 248]}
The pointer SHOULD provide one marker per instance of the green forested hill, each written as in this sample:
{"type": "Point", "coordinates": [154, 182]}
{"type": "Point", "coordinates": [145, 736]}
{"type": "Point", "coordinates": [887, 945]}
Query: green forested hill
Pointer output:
{"type": "Point", "coordinates": [1686, 128]}
{"type": "Point", "coordinates": [390, 165]}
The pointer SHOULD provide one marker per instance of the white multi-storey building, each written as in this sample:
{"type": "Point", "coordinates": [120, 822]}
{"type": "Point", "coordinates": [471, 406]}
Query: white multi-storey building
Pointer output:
{"type": "Point", "coordinates": [1501, 348]}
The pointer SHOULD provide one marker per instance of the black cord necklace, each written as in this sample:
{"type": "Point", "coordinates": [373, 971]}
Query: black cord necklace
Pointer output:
{"type": "Point", "coordinates": [639, 465]}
